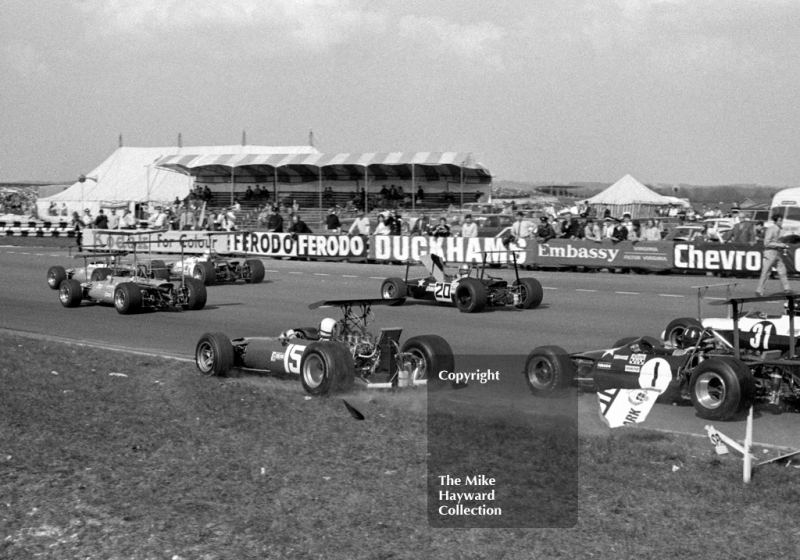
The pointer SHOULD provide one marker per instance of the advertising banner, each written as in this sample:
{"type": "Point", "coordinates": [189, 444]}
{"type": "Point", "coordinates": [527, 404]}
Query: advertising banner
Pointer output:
{"type": "Point", "coordinates": [304, 245]}
{"type": "Point", "coordinates": [161, 242]}
{"type": "Point", "coordinates": [452, 249]}
{"type": "Point", "coordinates": [651, 255]}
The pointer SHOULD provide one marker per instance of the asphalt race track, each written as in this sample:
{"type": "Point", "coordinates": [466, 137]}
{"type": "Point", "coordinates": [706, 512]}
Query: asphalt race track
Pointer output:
{"type": "Point", "coordinates": [580, 311]}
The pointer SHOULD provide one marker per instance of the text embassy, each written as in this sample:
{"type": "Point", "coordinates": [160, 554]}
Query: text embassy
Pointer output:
{"type": "Point", "coordinates": [570, 252]}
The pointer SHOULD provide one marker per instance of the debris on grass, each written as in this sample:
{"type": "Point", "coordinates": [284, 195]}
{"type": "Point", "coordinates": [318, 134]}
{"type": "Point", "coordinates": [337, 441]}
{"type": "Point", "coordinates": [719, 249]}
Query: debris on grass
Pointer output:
{"type": "Point", "coordinates": [114, 374]}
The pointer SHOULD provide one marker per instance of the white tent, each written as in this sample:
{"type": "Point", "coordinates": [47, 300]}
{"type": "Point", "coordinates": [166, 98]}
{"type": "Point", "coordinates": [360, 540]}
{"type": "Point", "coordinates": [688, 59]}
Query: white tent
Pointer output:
{"type": "Point", "coordinates": [129, 177]}
{"type": "Point", "coordinates": [628, 195]}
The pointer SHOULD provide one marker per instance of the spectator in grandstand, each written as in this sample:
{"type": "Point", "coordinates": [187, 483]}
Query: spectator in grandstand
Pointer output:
{"type": "Point", "coordinates": [248, 194]}
{"type": "Point", "coordinates": [332, 223]}
{"type": "Point", "coordinates": [420, 193]}
{"type": "Point", "coordinates": [441, 229]}
{"type": "Point", "coordinates": [360, 225]}
{"type": "Point", "coordinates": [469, 228]}
{"type": "Point", "coordinates": [591, 231]}
{"type": "Point", "coordinates": [275, 221]}
{"type": "Point", "coordinates": [263, 217]}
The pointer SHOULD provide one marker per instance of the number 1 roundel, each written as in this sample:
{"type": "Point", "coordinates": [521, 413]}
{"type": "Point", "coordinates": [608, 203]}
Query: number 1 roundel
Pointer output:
{"type": "Point", "coordinates": [760, 335]}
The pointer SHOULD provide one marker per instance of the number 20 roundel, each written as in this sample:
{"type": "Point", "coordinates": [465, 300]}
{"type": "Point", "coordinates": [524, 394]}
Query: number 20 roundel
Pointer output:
{"type": "Point", "coordinates": [760, 335]}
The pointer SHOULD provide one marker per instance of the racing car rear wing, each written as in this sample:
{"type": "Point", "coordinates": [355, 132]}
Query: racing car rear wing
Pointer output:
{"type": "Point", "coordinates": [350, 302]}
{"type": "Point", "coordinates": [735, 303]}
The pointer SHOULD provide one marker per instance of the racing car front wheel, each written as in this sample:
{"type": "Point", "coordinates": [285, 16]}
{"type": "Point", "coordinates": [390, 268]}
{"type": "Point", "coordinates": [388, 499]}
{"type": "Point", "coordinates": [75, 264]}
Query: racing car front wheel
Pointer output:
{"type": "Point", "coordinates": [394, 288]}
{"type": "Point", "coordinates": [530, 293]}
{"type": "Point", "coordinates": [327, 367]}
{"type": "Point", "coordinates": [256, 269]}
{"type": "Point", "coordinates": [100, 274]}
{"type": "Point", "coordinates": [673, 334]}
{"type": "Point", "coordinates": [55, 276]}
{"type": "Point", "coordinates": [214, 354]}
{"type": "Point", "coordinates": [70, 293]}
{"type": "Point", "coordinates": [196, 294]}
{"type": "Point", "coordinates": [548, 371]}
{"type": "Point", "coordinates": [127, 298]}
{"type": "Point", "coordinates": [205, 272]}
{"type": "Point", "coordinates": [722, 387]}
{"type": "Point", "coordinates": [470, 295]}
{"type": "Point", "coordinates": [430, 354]}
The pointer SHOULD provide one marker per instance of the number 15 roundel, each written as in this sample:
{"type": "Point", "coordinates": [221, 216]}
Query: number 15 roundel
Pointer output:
{"type": "Point", "coordinates": [760, 335]}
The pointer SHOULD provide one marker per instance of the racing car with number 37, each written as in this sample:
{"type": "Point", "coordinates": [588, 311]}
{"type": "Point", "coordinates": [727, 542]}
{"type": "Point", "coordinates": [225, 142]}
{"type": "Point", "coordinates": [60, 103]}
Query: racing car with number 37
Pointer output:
{"type": "Point", "coordinates": [470, 294]}
{"type": "Point", "coordinates": [331, 357]}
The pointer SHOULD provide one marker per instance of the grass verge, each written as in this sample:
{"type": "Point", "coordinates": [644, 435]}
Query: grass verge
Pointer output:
{"type": "Point", "coordinates": [161, 463]}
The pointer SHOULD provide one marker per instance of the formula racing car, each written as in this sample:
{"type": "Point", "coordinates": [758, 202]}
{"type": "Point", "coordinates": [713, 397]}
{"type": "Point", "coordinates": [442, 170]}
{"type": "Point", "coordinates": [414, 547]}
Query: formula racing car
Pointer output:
{"type": "Point", "coordinates": [97, 266]}
{"type": "Point", "coordinates": [716, 365]}
{"type": "Point", "coordinates": [130, 293]}
{"type": "Point", "coordinates": [469, 293]}
{"type": "Point", "coordinates": [331, 357]}
{"type": "Point", "coordinates": [214, 268]}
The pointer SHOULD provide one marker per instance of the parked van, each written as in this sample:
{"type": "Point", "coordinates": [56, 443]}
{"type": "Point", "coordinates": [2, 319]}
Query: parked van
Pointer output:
{"type": "Point", "coordinates": [787, 203]}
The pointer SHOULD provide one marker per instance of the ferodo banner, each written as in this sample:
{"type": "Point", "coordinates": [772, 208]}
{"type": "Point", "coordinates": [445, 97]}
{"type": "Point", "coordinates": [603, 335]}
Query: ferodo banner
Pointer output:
{"type": "Point", "coordinates": [652, 255]}
{"type": "Point", "coordinates": [301, 245]}
{"type": "Point", "coordinates": [453, 249]}
{"type": "Point", "coordinates": [161, 242]}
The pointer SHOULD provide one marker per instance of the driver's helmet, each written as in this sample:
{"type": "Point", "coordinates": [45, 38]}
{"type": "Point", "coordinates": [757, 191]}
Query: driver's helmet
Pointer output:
{"type": "Point", "coordinates": [328, 328]}
{"type": "Point", "coordinates": [690, 337]}
{"type": "Point", "coordinates": [463, 270]}
{"type": "Point", "coordinates": [207, 254]}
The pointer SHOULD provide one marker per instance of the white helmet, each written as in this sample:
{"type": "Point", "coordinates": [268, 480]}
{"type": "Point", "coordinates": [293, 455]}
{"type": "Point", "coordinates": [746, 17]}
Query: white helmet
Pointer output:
{"type": "Point", "coordinates": [463, 270]}
{"type": "Point", "coordinates": [328, 328]}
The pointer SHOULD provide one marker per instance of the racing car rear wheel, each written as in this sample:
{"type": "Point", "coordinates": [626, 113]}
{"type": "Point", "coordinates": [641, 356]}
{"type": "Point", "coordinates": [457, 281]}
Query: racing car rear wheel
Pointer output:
{"type": "Point", "coordinates": [56, 275]}
{"type": "Point", "coordinates": [100, 274]}
{"type": "Point", "coordinates": [721, 388]}
{"type": "Point", "coordinates": [256, 271]}
{"type": "Point", "coordinates": [470, 295]}
{"type": "Point", "coordinates": [430, 354]}
{"type": "Point", "coordinates": [159, 270]}
{"type": "Point", "coordinates": [326, 368]}
{"type": "Point", "coordinates": [205, 272]}
{"type": "Point", "coordinates": [394, 288]}
{"type": "Point", "coordinates": [214, 354]}
{"type": "Point", "coordinates": [548, 371]}
{"type": "Point", "coordinates": [196, 294]}
{"type": "Point", "coordinates": [674, 332]}
{"type": "Point", "coordinates": [530, 294]}
{"type": "Point", "coordinates": [70, 293]}
{"type": "Point", "coordinates": [127, 298]}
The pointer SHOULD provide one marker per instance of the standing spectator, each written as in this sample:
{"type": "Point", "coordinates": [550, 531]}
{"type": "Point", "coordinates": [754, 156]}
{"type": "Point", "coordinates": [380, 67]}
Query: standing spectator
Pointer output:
{"type": "Point", "coordinates": [441, 229]}
{"type": "Point", "coordinates": [77, 227]}
{"type": "Point", "coordinates": [744, 232]}
{"type": "Point", "coordinates": [275, 221]}
{"type": "Point", "coordinates": [187, 219]}
{"type": "Point", "coordinates": [88, 221]}
{"type": "Point", "coordinates": [544, 232]}
{"type": "Point", "coordinates": [521, 228]}
{"type": "Point", "coordinates": [469, 228]}
{"type": "Point", "coordinates": [635, 231]}
{"type": "Point", "coordinates": [332, 223]}
{"type": "Point", "coordinates": [64, 211]}
{"type": "Point", "coordinates": [127, 221]}
{"type": "Point", "coordinates": [101, 221]}
{"type": "Point", "coordinates": [113, 220]}
{"type": "Point", "coordinates": [608, 227]}
{"type": "Point", "coordinates": [360, 225]}
{"type": "Point", "coordinates": [52, 210]}
{"type": "Point", "coordinates": [263, 217]}
{"type": "Point", "coordinates": [298, 226]}
{"type": "Point", "coordinates": [570, 228]}
{"type": "Point", "coordinates": [650, 232]}
{"type": "Point", "coordinates": [395, 223]}
{"type": "Point", "coordinates": [773, 255]}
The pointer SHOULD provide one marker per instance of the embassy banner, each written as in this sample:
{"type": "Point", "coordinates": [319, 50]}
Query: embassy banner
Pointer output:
{"type": "Point", "coordinates": [650, 255]}
{"type": "Point", "coordinates": [157, 242]}
{"type": "Point", "coordinates": [305, 245]}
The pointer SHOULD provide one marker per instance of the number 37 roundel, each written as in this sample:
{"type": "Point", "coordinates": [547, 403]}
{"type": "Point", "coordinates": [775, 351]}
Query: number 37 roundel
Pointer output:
{"type": "Point", "coordinates": [760, 336]}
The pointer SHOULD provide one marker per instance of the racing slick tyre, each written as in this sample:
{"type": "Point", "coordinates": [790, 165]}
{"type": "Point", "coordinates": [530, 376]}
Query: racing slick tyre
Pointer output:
{"type": "Point", "coordinates": [721, 388]}
{"type": "Point", "coordinates": [56, 275]}
{"type": "Point", "coordinates": [470, 295]}
{"type": "Point", "coordinates": [70, 293]}
{"type": "Point", "coordinates": [159, 270]}
{"type": "Point", "coordinates": [531, 293]}
{"type": "Point", "coordinates": [431, 354]}
{"type": "Point", "coordinates": [673, 334]}
{"type": "Point", "coordinates": [196, 294]}
{"type": "Point", "coordinates": [256, 271]}
{"type": "Point", "coordinates": [204, 271]}
{"type": "Point", "coordinates": [100, 274]}
{"type": "Point", "coordinates": [394, 288]}
{"type": "Point", "coordinates": [326, 368]}
{"type": "Point", "coordinates": [548, 371]}
{"type": "Point", "coordinates": [127, 298]}
{"type": "Point", "coordinates": [213, 354]}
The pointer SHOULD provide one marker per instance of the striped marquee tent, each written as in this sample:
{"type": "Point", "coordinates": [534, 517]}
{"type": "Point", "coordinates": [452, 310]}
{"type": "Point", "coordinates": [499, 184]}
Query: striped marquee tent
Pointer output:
{"type": "Point", "coordinates": [457, 167]}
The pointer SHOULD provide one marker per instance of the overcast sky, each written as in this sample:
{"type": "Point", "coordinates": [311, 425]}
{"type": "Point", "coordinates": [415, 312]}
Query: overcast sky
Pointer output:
{"type": "Point", "coordinates": [691, 91]}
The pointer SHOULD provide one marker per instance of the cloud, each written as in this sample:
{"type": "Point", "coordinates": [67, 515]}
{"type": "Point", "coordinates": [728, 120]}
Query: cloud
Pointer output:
{"type": "Point", "coordinates": [472, 42]}
{"type": "Point", "coordinates": [25, 59]}
{"type": "Point", "coordinates": [315, 24]}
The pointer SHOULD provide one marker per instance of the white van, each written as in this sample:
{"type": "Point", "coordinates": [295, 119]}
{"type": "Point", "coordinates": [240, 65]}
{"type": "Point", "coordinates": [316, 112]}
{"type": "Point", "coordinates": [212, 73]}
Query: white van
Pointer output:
{"type": "Point", "coordinates": [787, 203]}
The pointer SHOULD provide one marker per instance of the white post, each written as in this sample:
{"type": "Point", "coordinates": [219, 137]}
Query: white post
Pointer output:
{"type": "Point", "coordinates": [748, 442]}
